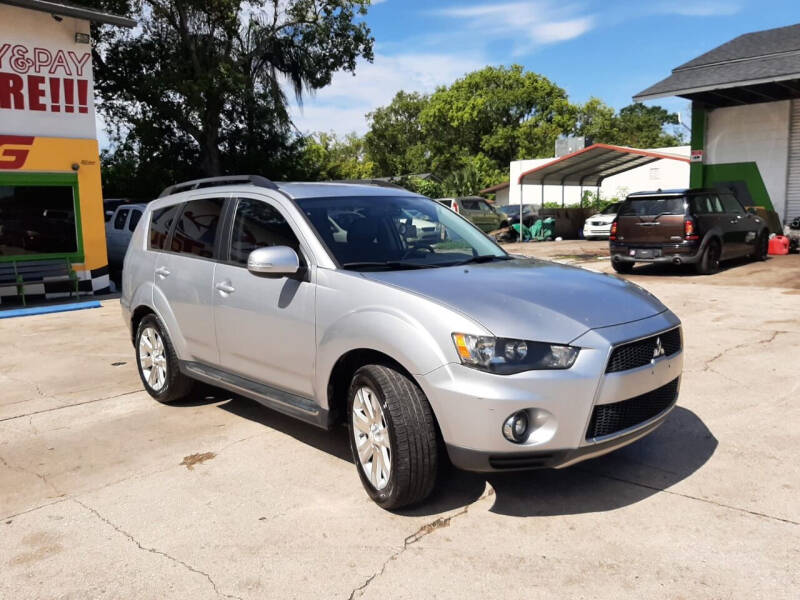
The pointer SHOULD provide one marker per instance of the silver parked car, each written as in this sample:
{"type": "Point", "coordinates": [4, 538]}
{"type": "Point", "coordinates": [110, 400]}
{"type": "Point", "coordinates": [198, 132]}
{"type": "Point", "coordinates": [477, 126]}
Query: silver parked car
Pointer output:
{"type": "Point", "coordinates": [427, 349]}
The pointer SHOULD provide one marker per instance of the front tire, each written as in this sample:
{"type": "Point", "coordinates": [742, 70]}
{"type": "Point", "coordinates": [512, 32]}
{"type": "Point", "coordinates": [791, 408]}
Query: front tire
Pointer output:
{"type": "Point", "coordinates": [392, 436]}
{"type": "Point", "coordinates": [761, 251]}
{"type": "Point", "coordinates": [709, 262]}
{"type": "Point", "coordinates": [158, 363]}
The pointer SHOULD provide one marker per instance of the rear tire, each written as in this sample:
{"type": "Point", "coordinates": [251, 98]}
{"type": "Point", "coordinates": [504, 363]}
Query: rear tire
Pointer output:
{"type": "Point", "coordinates": [391, 425]}
{"type": "Point", "coordinates": [624, 268]}
{"type": "Point", "coordinates": [709, 262]}
{"type": "Point", "coordinates": [158, 363]}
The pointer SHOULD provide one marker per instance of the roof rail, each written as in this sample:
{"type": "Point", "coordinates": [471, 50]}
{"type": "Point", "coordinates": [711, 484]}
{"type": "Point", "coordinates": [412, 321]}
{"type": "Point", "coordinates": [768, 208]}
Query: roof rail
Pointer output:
{"type": "Point", "coordinates": [197, 184]}
{"type": "Point", "coordinates": [375, 182]}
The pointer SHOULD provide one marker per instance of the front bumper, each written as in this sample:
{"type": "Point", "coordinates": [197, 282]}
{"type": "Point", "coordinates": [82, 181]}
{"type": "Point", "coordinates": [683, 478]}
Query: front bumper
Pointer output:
{"type": "Point", "coordinates": [471, 405]}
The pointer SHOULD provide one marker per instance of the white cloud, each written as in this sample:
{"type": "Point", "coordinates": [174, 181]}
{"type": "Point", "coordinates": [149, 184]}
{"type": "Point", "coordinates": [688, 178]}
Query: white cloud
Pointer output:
{"type": "Point", "coordinates": [342, 106]}
{"type": "Point", "coordinates": [526, 24]}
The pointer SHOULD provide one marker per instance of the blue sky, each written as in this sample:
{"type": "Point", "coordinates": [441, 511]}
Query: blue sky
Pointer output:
{"type": "Point", "coordinates": [610, 49]}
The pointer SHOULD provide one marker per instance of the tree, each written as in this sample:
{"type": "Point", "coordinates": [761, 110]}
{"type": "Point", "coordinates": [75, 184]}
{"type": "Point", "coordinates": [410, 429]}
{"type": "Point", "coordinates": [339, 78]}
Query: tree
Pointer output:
{"type": "Point", "coordinates": [328, 157]}
{"type": "Point", "coordinates": [635, 125]}
{"type": "Point", "coordinates": [395, 140]}
{"type": "Point", "coordinates": [211, 74]}
{"type": "Point", "coordinates": [503, 113]}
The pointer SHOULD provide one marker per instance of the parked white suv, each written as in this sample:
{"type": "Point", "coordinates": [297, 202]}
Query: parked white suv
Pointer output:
{"type": "Point", "coordinates": [427, 349]}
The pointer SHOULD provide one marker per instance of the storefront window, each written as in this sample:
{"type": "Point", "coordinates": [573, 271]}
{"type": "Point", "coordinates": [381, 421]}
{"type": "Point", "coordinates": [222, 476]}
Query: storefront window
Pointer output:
{"type": "Point", "coordinates": [37, 220]}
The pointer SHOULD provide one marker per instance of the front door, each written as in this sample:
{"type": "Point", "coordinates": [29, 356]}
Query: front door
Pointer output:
{"type": "Point", "coordinates": [184, 274]}
{"type": "Point", "coordinates": [735, 227]}
{"type": "Point", "coordinates": [265, 324]}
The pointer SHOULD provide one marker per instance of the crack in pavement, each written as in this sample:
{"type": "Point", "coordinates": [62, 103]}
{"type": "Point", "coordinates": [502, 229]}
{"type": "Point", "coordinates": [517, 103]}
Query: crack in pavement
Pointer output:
{"type": "Point", "coordinates": [63, 406]}
{"type": "Point", "coordinates": [690, 497]}
{"type": "Point", "coordinates": [412, 539]}
{"type": "Point", "coordinates": [156, 551]}
{"type": "Point", "coordinates": [41, 476]}
{"type": "Point", "coordinates": [771, 339]}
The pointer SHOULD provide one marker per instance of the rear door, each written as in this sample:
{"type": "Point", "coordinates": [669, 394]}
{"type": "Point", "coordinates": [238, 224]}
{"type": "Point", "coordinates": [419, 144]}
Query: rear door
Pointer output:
{"type": "Point", "coordinates": [650, 221]}
{"type": "Point", "coordinates": [184, 275]}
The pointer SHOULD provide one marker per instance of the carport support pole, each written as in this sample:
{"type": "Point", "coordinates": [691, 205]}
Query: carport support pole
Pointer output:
{"type": "Point", "coordinates": [562, 194]}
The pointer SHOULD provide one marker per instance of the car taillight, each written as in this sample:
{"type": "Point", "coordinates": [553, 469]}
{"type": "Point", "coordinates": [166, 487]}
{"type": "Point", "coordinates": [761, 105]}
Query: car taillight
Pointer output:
{"type": "Point", "coordinates": [689, 231]}
{"type": "Point", "coordinates": [455, 208]}
{"type": "Point", "coordinates": [613, 235]}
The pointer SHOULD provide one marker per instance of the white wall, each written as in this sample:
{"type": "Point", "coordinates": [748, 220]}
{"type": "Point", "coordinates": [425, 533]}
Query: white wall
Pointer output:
{"type": "Point", "coordinates": [663, 174]}
{"type": "Point", "coordinates": [755, 133]}
{"type": "Point", "coordinates": [40, 58]}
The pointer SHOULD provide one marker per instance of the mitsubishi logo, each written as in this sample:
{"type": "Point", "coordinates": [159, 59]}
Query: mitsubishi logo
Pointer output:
{"type": "Point", "coordinates": [658, 351]}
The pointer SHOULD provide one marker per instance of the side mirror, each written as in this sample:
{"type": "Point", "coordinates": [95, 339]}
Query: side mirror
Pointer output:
{"type": "Point", "coordinates": [274, 260]}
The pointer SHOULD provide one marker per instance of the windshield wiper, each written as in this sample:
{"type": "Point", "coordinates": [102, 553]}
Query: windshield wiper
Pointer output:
{"type": "Point", "coordinates": [386, 264]}
{"type": "Point", "coordinates": [482, 258]}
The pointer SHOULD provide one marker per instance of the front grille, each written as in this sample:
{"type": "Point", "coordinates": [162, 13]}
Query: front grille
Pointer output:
{"type": "Point", "coordinates": [611, 418]}
{"type": "Point", "coordinates": [641, 352]}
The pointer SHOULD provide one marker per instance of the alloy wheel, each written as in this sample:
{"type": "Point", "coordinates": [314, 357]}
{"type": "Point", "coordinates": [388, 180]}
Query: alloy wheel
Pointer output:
{"type": "Point", "coordinates": [153, 358]}
{"type": "Point", "coordinates": [371, 435]}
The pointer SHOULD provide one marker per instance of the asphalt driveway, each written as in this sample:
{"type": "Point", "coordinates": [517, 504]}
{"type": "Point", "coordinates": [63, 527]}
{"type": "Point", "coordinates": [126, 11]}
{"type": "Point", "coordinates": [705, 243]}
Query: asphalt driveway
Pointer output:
{"type": "Point", "coordinates": [104, 493]}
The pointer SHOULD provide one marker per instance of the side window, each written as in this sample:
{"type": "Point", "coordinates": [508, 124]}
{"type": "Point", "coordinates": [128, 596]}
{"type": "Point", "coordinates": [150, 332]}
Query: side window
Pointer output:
{"type": "Point", "coordinates": [122, 216]}
{"type": "Point", "coordinates": [731, 205]}
{"type": "Point", "coordinates": [716, 204]}
{"type": "Point", "coordinates": [196, 229]}
{"type": "Point", "coordinates": [701, 205]}
{"type": "Point", "coordinates": [160, 223]}
{"type": "Point", "coordinates": [257, 224]}
{"type": "Point", "coordinates": [486, 207]}
{"type": "Point", "coordinates": [469, 205]}
{"type": "Point", "coordinates": [135, 216]}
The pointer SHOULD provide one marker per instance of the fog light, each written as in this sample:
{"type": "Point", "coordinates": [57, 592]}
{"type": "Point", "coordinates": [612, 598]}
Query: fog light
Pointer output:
{"type": "Point", "coordinates": [515, 429]}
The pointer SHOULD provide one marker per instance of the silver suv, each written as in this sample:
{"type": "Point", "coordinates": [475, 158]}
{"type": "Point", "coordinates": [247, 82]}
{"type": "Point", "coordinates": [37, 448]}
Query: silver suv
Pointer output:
{"type": "Point", "coordinates": [428, 349]}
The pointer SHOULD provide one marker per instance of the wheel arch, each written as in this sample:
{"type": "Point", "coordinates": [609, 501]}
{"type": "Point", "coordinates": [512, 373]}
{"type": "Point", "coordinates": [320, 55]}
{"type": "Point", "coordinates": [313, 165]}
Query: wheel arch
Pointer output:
{"type": "Point", "coordinates": [342, 373]}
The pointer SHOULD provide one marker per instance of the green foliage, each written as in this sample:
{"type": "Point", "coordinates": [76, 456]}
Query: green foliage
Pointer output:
{"type": "Point", "coordinates": [395, 141]}
{"type": "Point", "coordinates": [635, 125]}
{"type": "Point", "coordinates": [210, 74]}
{"type": "Point", "coordinates": [328, 157]}
{"type": "Point", "coordinates": [502, 113]}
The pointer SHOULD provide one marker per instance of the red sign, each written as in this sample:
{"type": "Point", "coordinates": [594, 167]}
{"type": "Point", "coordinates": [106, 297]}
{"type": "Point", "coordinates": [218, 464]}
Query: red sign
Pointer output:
{"type": "Point", "coordinates": [14, 158]}
{"type": "Point", "coordinates": [39, 79]}
{"type": "Point", "coordinates": [697, 156]}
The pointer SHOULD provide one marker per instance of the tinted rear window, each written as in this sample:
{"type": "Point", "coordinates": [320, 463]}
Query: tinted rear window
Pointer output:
{"type": "Point", "coordinates": [650, 207]}
{"type": "Point", "coordinates": [160, 223]}
{"type": "Point", "coordinates": [196, 230]}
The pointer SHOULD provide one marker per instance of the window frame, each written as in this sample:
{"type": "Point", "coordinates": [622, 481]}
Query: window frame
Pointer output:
{"type": "Point", "coordinates": [226, 240]}
{"type": "Point", "coordinates": [49, 180]}
{"type": "Point", "coordinates": [221, 227]}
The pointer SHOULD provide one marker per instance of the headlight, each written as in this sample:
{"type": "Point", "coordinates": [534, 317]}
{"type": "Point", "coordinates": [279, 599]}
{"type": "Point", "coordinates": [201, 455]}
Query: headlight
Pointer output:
{"type": "Point", "coordinates": [505, 356]}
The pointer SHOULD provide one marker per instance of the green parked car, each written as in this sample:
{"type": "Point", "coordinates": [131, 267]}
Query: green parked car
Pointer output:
{"type": "Point", "coordinates": [477, 210]}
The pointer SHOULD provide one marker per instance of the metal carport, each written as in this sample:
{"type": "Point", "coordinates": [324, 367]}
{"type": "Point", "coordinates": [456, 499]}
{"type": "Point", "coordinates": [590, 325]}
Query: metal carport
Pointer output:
{"type": "Point", "coordinates": [590, 166]}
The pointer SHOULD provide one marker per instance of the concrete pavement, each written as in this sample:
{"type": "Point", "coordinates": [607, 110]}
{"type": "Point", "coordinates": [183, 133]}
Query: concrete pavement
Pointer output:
{"type": "Point", "coordinates": [105, 493]}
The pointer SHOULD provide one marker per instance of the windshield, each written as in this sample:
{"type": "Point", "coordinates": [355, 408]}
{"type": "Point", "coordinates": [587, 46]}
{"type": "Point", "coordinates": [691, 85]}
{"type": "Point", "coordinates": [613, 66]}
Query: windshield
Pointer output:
{"type": "Point", "coordinates": [640, 207]}
{"type": "Point", "coordinates": [611, 209]}
{"type": "Point", "coordinates": [366, 233]}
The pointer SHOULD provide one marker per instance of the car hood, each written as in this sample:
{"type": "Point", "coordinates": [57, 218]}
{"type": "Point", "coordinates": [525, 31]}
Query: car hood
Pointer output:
{"type": "Point", "coordinates": [528, 298]}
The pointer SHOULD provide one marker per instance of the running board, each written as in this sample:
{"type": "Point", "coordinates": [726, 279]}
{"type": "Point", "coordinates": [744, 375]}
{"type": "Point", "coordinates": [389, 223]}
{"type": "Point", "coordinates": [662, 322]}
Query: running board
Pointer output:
{"type": "Point", "coordinates": [284, 402]}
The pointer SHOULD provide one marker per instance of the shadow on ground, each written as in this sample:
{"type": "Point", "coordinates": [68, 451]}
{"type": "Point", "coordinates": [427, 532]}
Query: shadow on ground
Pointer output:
{"type": "Point", "coordinates": [681, 446]}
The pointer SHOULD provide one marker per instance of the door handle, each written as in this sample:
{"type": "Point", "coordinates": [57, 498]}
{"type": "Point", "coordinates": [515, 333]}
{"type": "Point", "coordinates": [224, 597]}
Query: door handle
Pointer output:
{"type": "Point", "coordinates": [225, 287]}
{"type": "Point", "coordinates": [162, 272]}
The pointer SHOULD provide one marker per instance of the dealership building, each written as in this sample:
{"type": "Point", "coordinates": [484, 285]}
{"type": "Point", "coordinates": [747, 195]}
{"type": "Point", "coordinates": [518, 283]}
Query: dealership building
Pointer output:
{"type": "Point", "coordinates": [745, 116]}
{"type": "Point", "coordinates": [51, 204]}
